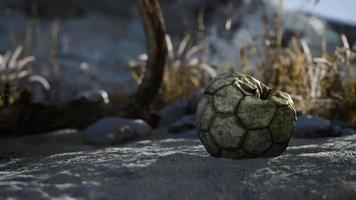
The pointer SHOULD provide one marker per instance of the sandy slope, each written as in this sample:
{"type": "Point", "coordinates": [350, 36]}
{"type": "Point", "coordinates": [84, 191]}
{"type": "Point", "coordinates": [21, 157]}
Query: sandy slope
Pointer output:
{"type": "Point", "coordinates": [181, 169]}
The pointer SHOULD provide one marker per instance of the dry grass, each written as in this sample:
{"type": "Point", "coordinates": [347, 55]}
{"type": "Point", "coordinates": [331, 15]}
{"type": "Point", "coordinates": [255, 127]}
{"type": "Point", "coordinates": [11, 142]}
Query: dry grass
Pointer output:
{"type": "Point", "coordinates": [322, 85]}
{"type": "Point", "coordinates": [184, 73]}
{"type": "Point", "coordinates": [15, 72]}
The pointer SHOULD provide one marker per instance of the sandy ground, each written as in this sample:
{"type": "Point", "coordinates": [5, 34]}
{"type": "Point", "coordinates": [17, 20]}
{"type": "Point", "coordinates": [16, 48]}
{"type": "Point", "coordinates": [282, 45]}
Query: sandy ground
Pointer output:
{"type": "Point", "coordinates": [178, 168]}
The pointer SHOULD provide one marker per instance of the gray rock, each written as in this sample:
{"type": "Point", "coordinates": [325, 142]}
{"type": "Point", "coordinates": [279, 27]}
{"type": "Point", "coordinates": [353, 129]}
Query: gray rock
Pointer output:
{"type": "Point", "coordinates": [348, 131]}
{"type": "Point", "coordinates": [173, 112]}
{"type": "Point", "coordinates": [182, 169]}
{"type": "Point", "coordinates": [313, 127]}
{"type": "Point", "coordinates": [60, 141]}
{"type": "Point", "coordinates": [191, 134]}
{"type": "Point", "coordinates": [115, 130]}
{"type": "Point", "coordinates": [344, 124]}
{"type": "Point", "coordinates": [97, 96]}
{"type": "Point", "coordinates": [183, 124]}
{"type": "Point", "coordinates": [193, 101]}
{"type": "Point", "coordinates": [178, 109]}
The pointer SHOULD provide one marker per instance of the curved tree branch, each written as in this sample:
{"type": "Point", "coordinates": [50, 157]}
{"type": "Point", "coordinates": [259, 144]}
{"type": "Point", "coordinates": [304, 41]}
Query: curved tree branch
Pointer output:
{"type": "Point", "coordinates": [155, 32]}
{"type": "Point", "coordinates": [33, 118]}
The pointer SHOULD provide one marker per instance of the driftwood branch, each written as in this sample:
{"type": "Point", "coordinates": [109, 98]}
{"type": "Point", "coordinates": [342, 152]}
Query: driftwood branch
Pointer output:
{"type": "Point", "coordinates": [33, 118]}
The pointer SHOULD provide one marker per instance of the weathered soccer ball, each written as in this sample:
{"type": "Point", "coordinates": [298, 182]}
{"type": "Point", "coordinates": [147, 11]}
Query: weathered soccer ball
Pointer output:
{"type": "Point", "coordinates": [240, 117]}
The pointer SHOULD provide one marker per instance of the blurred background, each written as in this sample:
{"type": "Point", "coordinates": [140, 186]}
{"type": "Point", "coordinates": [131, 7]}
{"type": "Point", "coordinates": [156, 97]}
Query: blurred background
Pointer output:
{"type": "Point", "coordinates": [71, 70]}
{"type": "Point", "coordinates": [63, 50]}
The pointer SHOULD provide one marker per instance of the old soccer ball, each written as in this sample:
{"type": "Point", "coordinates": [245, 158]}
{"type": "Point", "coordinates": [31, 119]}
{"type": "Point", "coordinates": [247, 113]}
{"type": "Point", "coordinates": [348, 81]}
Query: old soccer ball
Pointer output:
{"type": "Point", "coordinates": [240, 117]}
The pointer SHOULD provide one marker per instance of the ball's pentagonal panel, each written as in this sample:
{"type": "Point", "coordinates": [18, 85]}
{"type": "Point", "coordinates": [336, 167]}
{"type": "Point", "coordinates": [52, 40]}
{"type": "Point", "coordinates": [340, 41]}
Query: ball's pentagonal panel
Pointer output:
{"type": "Point", "coordinates": [283, 124]}
{"type": "Point", "coordinates": [210, 146]}
{"type": "Point", "coordinates": [226, 99]}
{"type": "Point", "coordinates": [205, 112]}
{"type": "Point", "coordinates": [257, 141]}
{"type": "Point", "coordinates": [220, 81]}
{"type": "Point", "coordinates": [226, 131]}
{"type": "Point", "coordinates": [256, 113]}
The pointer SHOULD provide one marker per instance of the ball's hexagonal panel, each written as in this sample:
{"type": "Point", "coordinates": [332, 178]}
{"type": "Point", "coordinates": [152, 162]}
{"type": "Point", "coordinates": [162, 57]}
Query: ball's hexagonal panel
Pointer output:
{"type": "Point", "coordinates": [226, 131]}
{"type": "Point", "coordinates": [281, 98]}
{"type": "Point", "coordinates": [226, 99]}
{"type": "Point", "coordinates": [219, 81]}
{"type": "Point", "coordinates": [256, 113]}
{"type": "Point", "coordinates": [275, 150]}
{"type": "Point", "coordinates": [283, 124]}
{"type": "Point", "coordinates": [208, 143]}
{"type": "Point", "coordinates": [257, 141]}
{"type": "Point", "coordinates": [234, 153]}
{"type": "Point", "coordinates": [205, 112]}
